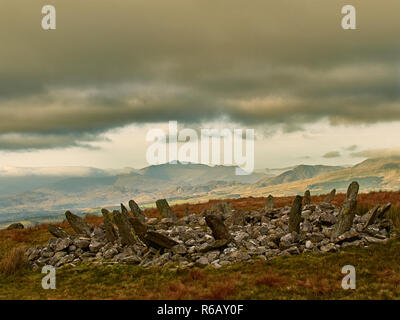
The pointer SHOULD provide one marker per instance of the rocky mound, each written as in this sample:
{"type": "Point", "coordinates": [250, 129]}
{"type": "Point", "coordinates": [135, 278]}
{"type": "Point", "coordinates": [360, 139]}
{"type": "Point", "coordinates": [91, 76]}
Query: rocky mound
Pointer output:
{"type": "Point", "coordinates": [217, 237]}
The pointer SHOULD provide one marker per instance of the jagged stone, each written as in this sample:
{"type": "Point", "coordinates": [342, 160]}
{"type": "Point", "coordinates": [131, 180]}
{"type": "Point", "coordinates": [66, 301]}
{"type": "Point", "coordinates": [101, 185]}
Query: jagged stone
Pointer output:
{"type": "Point", "coordinates": [79, 225]}
{"type": "Point", "coordinates": [15, 226]}
{"type": "Point", "coordinates": [307, 198]}
{"type": "Point", "coordinates": [158, 240]}
{"type": "Point", "coordinates": [347, 211]}
{"type": "Point", "coordinates": [218, 228]}
{"type": "Point", "coordinates": [111, 233]}
{"type": "Point", "coordinates": [165, 209]}
{"type": "Point", "coordinates": [124, 229]}
{"type": "Point", "coordinates": [62, 244]}
{"type": "Point", "coordinates": [329, 198]}
{"type": "Point", "coordinates": [269, 203]}
{"type": "Point", "coordinates": [125, 212]}
{"type": "Point", "coordinates": [383, 210]}
{"type": "Point", "coordinates": [295, 215]}
{"type": "Point", "coordinates": [137, 212]}
{"type": "Point", "coordinates": [57, 231]}
{"type": "Point", "coordinates": [371, 216]}
{"type": "Point", "coordinates": [139, 226]}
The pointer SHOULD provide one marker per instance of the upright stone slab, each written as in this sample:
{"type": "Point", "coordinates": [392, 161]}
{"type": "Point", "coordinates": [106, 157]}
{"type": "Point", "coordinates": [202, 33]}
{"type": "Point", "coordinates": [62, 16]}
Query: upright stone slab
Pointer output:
{"type": "Point", "coordinates": [295, 215]}
{"type": "Point", "coordinates": [269, 203]}
{"type": "Point", "coordinates": [79, 225]}
{"type": "Point", "coordinates": [307, 198]}
{"type": "Point", "coordinates": [218, 228]}
{"type": "Point", "coordinates": [125, 212]}
{"type": "Point", "coordinates": [137, 212]}
{"type": "Point", "coordinates": [57, 232]}
{"type": "Point", "coordinates": [111, 234]}
{"type": "Point", "coordinates": [165, 209]}
{"type": "Point", "coordinates": [330, 196]}
{"type": "Point", "coordinates": [124, 229]}
{"type": "Point", "coordinates": [347, 211]}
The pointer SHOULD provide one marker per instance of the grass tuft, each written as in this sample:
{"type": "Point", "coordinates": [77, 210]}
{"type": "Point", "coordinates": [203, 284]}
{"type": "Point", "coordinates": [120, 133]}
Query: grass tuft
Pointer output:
{"type": "Point", "coordinates": [13, 261]}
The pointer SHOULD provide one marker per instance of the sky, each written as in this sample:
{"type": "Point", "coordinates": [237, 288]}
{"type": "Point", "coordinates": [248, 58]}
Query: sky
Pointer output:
{"type": "Point", "coordinates": [87, 93]}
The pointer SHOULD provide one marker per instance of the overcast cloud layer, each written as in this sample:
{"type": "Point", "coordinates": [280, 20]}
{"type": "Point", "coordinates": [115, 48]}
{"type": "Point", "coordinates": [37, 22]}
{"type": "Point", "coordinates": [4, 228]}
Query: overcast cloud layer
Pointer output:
{"type": "Point", "coordinates": [113, 63]}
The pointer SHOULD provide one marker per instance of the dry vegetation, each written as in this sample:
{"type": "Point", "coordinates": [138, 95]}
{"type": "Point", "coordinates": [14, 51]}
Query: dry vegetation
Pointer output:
{"type": "Point", "coordinates": [307, 276]}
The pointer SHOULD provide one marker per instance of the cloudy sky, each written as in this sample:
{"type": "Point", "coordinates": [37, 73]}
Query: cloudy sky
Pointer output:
{"type": "Point", "coordinates": [87, 93]}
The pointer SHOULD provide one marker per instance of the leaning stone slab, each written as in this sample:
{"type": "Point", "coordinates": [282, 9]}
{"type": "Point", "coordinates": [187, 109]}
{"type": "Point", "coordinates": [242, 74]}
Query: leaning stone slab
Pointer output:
{"type": "Point", "coordinates": [330, 196]}
{"type": "Point", "coordinates": [140, 228]}
{"type": "Point", "coordinates": [158, 240]}
{"type": "Point", "coordinates": [307, 198]}
{"type": "Point", "coordinates": [111, 233]}
{"type": "Point", "coordinates": [347, 211]}
{"type": "Point", "coordinates": [218, 228]}
{"type": "Point", "coordinates": [383, 210]}
{"type": "Point", "coordinates": [371, 216]}
{"type": "Point", "coordinates": [124, 229]}
{"type": "Point", "coordinates": [57, 231]}
{"type": "Point", "coordinates": [269, 203]}
{"type": "Point", "coordinates": [137, 212]}
{"type": "Point", "coordinates": [295, 215]}
{"type": "Point", "coordinates": [79, 225]}
{"type": "Point", "coordinates": [165, 209]}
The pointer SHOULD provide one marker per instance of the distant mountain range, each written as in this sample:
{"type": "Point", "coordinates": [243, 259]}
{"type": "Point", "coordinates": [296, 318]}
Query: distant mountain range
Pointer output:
{"type": "Point", "coordinates": [33, 195]}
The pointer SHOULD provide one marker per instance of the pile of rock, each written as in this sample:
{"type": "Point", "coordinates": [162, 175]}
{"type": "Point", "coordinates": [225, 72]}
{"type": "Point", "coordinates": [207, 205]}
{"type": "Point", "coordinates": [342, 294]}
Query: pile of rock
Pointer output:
{"type": "Point", "coordinates": [216, 237]}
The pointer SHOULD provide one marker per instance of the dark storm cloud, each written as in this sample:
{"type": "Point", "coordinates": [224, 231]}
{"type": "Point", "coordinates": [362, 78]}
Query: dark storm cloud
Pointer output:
{"type": "Point", "coordinates": [110, 64]}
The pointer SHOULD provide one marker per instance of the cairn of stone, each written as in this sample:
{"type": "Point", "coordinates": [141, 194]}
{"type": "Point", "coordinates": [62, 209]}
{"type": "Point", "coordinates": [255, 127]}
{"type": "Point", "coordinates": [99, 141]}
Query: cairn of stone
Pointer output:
{"type": "Point", "coordinates": [214, 238]}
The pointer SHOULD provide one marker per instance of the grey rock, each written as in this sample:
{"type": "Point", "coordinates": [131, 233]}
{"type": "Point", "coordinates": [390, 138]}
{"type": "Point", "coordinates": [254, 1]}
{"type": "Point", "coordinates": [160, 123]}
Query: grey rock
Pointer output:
{"type": "Point", "coordinates": [347, 211]}
{"type": "Point", "coordinates": [79, 225]}
{"type": "Point", "coordinates": [82, 243]}
{"type": "Point", "coordinates": [202, 262]}
{"type": "Point", "coordinates": [327, 219]}
{"type": "Point", "coordinates": [110, 253]}
{"type": "Point", "coordinates": [165, 210]}
{"type": "Point", "coordinates": [269, 203]}
{"type": "Point", "coordinates": [62, 244]}
{"type": "Point", "coordinates": [179, 249]}
{"type": "Point", "coordinates": [295, 215]}
{"type": "Point", "coordinates": [57, 231]}
{"type": "Point", "coordinates": [95, 245]}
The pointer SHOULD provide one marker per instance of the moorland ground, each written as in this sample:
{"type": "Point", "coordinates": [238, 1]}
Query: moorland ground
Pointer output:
{"type": "Point", "coordinates": [305, 276]}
